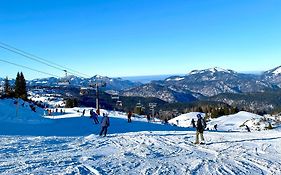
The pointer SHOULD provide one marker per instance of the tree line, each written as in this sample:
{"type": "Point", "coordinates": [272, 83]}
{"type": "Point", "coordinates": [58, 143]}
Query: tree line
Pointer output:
{"type": "Point", "coordinates": [16, 91]}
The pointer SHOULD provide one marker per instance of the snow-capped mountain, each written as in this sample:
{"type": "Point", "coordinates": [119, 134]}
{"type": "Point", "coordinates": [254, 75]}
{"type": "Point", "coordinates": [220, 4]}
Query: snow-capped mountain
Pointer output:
{"type": "Point", "coordinates": [214, 81]}
{"type": "Point", "coordinates": [207, 82]}
{"type": "Point", "coordinates": [274, 72]}
{"type": "Point", "coordinates": [273, 76]}
{"type": "Point", "coordinates": [211, 70]}
{"type": "Point", "coordinates": [111, 83]}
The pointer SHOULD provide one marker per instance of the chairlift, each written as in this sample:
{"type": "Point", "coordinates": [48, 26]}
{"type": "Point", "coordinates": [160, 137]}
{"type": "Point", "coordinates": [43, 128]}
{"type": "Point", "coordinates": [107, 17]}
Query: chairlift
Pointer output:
{"type": "Point", "coordinates": [115, 96]}
{"type": "Point", "coordinates": [83, 90]}
{"type": "Point", "coordinates": [119, 103]}
{"type": "Point", "coordinates": [138, 105]}
{"type": "Point", "coordinates": [65, 80]}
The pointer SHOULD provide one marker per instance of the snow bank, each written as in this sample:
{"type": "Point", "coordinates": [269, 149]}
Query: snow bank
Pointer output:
{"type": "Point", "coordinates": [19, 111]}
{"type": "Point", "coordinates": [184, 120]}
{"type": "Point", "coordinates": [235, 122]}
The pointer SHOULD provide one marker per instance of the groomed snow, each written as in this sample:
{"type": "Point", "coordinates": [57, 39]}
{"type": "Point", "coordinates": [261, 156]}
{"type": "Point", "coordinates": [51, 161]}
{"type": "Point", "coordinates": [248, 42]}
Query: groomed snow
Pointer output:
{"type": "Point", "coordinates": [69, 144]}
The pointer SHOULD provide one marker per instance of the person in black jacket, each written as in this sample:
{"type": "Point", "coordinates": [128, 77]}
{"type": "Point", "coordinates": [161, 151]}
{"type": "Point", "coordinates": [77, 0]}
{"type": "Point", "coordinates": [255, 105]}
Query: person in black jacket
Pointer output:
{"type": "Point", "coordinates": [193, 123]}
{"type": "Point", "coordinates": [200, 126]}
{"type": "Point", "coordinates": [130, 116]}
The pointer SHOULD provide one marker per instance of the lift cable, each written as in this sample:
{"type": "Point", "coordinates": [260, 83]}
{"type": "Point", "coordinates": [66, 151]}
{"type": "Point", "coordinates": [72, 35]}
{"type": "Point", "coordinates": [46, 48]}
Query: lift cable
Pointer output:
{"type": "Point", "coordinates": [26, 67]}
{"type": "Point", "coordinates": [40, 60]}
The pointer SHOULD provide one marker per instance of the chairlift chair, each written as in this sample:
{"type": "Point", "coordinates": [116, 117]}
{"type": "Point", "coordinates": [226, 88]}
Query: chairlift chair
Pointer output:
{"type": "Point", "coordinates": [119, 103]}
{"type": "Point", "coordinates": [115, 96]}
{"type": "Point", "coordinates": [65, 80]}
{"type": "Point", "coordinates": [83, 90]}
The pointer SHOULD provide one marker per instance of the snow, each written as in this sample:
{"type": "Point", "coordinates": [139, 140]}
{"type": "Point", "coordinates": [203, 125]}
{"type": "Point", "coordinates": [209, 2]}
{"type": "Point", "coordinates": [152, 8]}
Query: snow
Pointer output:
{"type": "Point", "coordinates": [184, 120]}
{"type": "Point", "coordinates": [165, 152]}
{"type": "Point", "coordinates": [175, 79]}
{"type": "Point", "coordinates": [277, 71]}
{"type": "Point", "coordinates": [213, 70]}
{"type": "Point", "coordinates": [69, 144]}
{"type": "Point", "coordinates": [52, 100]}
{"type": "Point", "coordinates": [237, 122]}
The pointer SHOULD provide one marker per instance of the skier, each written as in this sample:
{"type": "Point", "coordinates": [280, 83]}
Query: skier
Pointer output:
{"type": "Point", "coordinates": [216, 127]}
{"type": "Point", "coordinates": [104, 124]}
{"type": "Point", "coordinates": [91, 113]}
{"type": "Point", "coordinates": [248, 129]}
{"type": "Point", "coordinates": [95, 117]}
{"type": "Point", "coordinates": [129, 117]}
{"type": "Point", "coordinates": [200, 126]}
{"type": "Point", "coordinates": [193, 123]}
{"type": "Point", "coordinates": [148, 117]}
{"type": "Point", "coordinates": [83, 113]}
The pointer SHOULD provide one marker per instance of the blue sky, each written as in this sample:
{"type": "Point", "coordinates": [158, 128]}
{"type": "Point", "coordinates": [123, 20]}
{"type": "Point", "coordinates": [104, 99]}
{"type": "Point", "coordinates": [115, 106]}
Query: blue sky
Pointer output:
{"type": "Point", "coordinates": [141, 37]}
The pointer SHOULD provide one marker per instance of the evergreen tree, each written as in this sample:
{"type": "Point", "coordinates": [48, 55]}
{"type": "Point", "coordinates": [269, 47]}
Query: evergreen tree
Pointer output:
{"type": "Point", "coordinates": [20, 87]}
{"type": "Point", "coordinates": [17, 86]}
{"type": "Point", "coordinates": [7, 88]}
{"type": "Point", "coordinates": [23, 87]}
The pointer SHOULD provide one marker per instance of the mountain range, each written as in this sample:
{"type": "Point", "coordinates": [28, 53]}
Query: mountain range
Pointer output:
{"type": "Point", "coordinates": [196, 85]}
{"type": "Point", "coordinates": [206, 83]}
{"type": "Point", "coordinates": [116, 84]}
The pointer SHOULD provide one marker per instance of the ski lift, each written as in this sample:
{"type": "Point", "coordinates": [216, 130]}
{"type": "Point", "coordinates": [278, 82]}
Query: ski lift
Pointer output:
{"type": "Point", "coordinates": [65, 80]}
{"type": "Point", "coordinates": [138, 105]}
{"type": "Point", "coordinates": [119, 103]}
{"type": "Point", "coordinates": [115, 96]}
{"type": "Point", "coordinates": [83, 90]}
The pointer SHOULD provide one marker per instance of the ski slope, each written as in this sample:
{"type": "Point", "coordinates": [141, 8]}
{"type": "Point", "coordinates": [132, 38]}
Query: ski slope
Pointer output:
{"type": "Point", "coordinates": [69, 144]}
{"type": "Point", "coordinates": [165, 152]}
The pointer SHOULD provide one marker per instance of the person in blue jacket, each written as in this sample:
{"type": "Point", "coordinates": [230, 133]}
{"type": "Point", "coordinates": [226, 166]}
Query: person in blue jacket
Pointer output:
{"type": "Point", "coordinates": [104, 124]}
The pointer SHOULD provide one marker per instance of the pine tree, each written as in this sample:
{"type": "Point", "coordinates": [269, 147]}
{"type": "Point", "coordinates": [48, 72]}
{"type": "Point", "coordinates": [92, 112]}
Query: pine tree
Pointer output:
{"type": "Point", "coordinates": [23, 87]}
{"type": "Point", "coordinates": [20, 87]}
{"type": "Point", "coordinates": [17, 86]}
{"type": "Point", "coordinates": [7, 88]}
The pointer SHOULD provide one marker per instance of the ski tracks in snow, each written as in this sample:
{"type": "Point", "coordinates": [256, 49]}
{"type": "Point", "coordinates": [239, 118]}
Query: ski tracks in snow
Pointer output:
{"type": "Point", "coordinates": [142, 153]}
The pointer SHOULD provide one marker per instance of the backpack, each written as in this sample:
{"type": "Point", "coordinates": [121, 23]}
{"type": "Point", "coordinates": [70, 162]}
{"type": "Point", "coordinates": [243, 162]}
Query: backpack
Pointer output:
{"type": "Point", "coordinates": [204, 124]}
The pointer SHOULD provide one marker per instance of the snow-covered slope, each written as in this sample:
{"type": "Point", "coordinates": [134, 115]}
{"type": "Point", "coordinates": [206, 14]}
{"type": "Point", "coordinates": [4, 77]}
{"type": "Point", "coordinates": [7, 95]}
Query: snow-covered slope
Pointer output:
{"type": "Point", "coordinates": [170, 153]}
{"type": "Point", "coordinates": [130, 148]}
{"type": "Point", "coordinates": [237, 122]}
{"type": "Point", "coordinates": [18, 111]}
{"type": "Point", "coordinates": [70, 123]}
{"type": "Point", "coordinates": [184, 120]}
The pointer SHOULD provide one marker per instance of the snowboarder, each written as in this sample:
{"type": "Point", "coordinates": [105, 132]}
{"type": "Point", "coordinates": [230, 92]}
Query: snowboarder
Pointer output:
{"type": "Point", "coordinates": [216, 127]}
{"type": "Point", "coordinates": [104, 124]}
{"type": "Point", "coordinates": [200, 126]}
{"type": "Point", "coordinates": [129, 117]}
{"type": "Point", "coordinates": [193, 123]}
